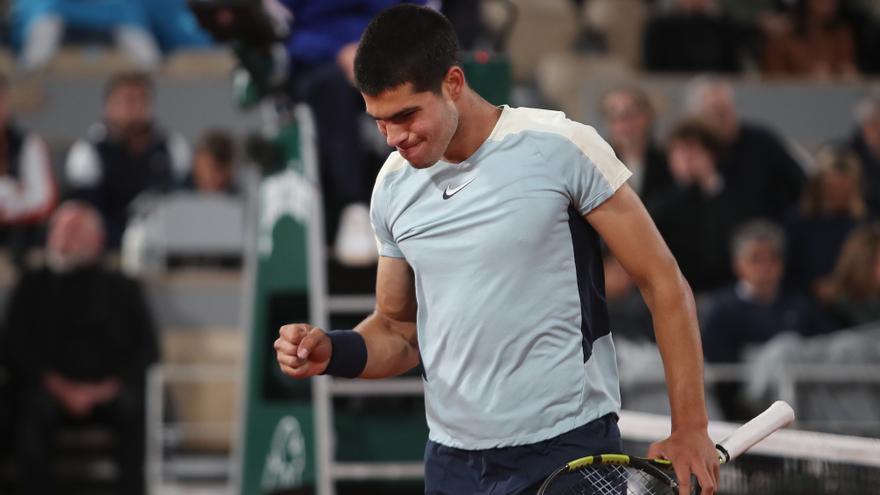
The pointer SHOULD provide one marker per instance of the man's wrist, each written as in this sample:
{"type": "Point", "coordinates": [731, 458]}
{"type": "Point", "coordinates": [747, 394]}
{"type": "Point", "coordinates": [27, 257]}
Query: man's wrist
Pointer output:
{"type": "Point", "coordinates": [348, 355]}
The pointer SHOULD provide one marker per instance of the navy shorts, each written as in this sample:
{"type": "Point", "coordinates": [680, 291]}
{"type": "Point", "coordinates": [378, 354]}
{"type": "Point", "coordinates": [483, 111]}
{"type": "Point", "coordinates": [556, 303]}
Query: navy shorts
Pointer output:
{"type": "Point", "coordinates": [518, 470]}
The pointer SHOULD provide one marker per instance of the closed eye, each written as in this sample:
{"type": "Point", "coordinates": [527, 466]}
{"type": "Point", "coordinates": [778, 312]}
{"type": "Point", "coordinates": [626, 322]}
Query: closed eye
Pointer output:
{"type": "Point", "coordinates": [402, 117]}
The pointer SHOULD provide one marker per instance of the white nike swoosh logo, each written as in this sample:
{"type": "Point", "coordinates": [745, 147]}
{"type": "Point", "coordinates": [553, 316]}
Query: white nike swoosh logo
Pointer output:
{"type": "Point", "coordinates": [451, 191]}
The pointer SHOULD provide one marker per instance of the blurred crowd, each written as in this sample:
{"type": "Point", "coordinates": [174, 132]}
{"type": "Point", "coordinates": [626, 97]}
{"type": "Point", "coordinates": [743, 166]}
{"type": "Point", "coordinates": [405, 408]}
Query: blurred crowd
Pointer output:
{"type": "Point", "coordinates": [817, 39]}
{"type": "Point", "coordinates": [767, 248]}
{"type": "Point", "coordinates": [769, 244]}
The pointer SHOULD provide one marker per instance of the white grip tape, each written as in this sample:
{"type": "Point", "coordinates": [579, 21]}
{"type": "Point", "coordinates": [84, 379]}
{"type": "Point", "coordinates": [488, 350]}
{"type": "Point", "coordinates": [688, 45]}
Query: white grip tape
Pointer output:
{"type": "Point", "coordinates": [779, 415]}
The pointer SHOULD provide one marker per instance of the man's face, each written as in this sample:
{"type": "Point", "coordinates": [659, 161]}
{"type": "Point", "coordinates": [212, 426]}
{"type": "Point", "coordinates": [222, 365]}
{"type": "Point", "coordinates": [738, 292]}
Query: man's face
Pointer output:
{"type": "Point", "coordinates": [209, 175]}
{"type": "Point", "coordinates": [760, 265]}
{"type": "Point", "coordinates": [689, 160]}
{"type": "Point", "coordinates": [628, 123]}
{"type": "Point", "coordinates": [718, 109]}
{"type": "Point", "coordinates": [129, 107]}
{"type": "Point", "coordinates": [838, 190]}
{"type": "Point", "coordinates": [419, 125]}
{"type": "Point", "coordinates": [75, 239]}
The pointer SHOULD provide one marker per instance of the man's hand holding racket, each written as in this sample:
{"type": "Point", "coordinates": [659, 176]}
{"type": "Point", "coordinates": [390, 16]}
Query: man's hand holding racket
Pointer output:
{"type": "Point", "coordinates": [302, 350]}
{"type": "Point", "coordinates": [691, 452]}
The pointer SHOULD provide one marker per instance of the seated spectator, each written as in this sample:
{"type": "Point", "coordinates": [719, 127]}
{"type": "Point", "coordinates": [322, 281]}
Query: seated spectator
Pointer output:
{"type": "Point", "coordinates": [693, 37]}
{"type": "Point", "coordinates": [831, 207]}
{"type": "Point", "coordinates": [697, 214]}
{"type": "Point", "coordinates": [756, 308]}
{"type": "Point", "coordinates": [214, 164]}
{"type": "Point", "coordinates": [125, 155]}
{"type": "Point", "coordinates": [81, 338]}
{"type": "Point", "coordinates": [852, 296]}
{"type": "Point", "coordinates": [629, 118]}
{"type": "Point", "coordinates": [27, 182]}
{"type": "Point", "coordinates": [39, 26]}
{"type": "Point", "coordinates": [820, 43]}
{"type": "Point", "coordinates": [865, 142]}
{"type": "Point", "coordinates": [755, 163]}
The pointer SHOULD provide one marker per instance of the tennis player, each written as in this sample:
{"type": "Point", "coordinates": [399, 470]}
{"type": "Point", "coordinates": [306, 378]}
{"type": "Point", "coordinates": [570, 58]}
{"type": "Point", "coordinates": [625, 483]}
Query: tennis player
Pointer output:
{"type": "Point", "coordinates": [488, 222]}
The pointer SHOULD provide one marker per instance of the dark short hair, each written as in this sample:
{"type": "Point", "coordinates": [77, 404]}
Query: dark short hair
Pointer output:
{"type": "Point", "coordinates": [220, 145]}
{"type": "Point", "coordinates": [129, 78]}
{"type": "Point", "coordinates": [699, 131]}
{"type": "Point", "coordinates": [405, 44]}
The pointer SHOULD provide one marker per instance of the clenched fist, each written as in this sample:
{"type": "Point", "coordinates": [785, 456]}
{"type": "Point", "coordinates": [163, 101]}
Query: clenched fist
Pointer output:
{"type": "Point", "coordinates": [302, 350]}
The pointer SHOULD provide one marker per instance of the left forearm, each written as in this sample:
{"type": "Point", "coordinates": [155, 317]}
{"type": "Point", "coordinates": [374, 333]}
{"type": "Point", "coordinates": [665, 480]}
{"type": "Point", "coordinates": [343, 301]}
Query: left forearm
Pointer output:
{"type": "Point", "coordinates": [675, 326]}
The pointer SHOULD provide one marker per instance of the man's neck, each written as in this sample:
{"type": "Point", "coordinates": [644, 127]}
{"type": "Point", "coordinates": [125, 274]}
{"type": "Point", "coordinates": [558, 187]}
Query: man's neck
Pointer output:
{"type": "Point", "coordinates": [476, 120]}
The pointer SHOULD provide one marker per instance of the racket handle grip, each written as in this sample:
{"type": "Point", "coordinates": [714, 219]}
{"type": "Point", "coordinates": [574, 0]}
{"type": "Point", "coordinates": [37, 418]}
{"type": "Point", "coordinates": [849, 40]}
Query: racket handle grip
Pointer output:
{"type": "Point", "coordinates": [778, 415]}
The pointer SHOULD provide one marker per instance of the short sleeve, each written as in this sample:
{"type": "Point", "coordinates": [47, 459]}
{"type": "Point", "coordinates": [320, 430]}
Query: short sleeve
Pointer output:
{"type": "Point", "coordinates": [378, 219]}
{"type": "Point", "coordinates": [592, 171]}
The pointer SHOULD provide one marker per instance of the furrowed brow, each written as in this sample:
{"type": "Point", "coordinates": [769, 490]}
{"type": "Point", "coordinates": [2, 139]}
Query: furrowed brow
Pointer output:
{"type": "Point", "coordinates": [403, 112]}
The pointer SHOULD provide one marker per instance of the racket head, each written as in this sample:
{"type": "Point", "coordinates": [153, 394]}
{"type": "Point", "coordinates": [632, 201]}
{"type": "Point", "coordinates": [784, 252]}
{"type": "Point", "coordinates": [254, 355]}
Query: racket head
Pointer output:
{"type": "Point", "coordinates": [611, 474]}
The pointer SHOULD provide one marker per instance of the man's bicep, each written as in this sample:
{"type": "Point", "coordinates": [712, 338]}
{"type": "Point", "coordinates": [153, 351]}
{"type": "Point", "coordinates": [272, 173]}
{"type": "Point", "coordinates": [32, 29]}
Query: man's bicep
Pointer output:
{"type": "Point", "coordinates": [395, 291]}
{"type": "Point", "coordinates": [627, 229]}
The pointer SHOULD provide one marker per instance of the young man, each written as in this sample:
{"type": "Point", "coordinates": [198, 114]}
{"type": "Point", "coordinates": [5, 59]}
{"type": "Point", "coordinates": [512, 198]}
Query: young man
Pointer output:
{"type": "Point", "coordinates": [488, 222]}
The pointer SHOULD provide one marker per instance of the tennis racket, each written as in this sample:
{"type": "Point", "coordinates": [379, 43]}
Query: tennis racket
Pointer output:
{"type": "Point", "coordinates": [621, 474]}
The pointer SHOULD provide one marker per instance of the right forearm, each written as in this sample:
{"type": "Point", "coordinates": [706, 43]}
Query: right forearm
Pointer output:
{"type": "Point", "coordinates": [392, 348]}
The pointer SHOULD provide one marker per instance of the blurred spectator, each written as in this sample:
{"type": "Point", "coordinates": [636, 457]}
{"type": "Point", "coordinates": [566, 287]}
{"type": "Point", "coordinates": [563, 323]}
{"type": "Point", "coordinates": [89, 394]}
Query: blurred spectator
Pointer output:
{"type": "Point", "coordinates": [820, 43]}
{"type": "Point", "coordinates": [852, 296]}
{"type": "Point", "coordinates": [693, 37]}
{"type": "Point", "coordinates": [756, 308]}
{"type": "Point", "coordinates": [697, 214]}
{"type": "Point", "coordinates": [865, 142]}
{"type": "Point", "coordinates": [755, 164]}
{"type": "Point", "coordinates": [39, 28]}
{"type": "Point", "coordinates": [125, 155]}
{"type": "Point", "coordinates": [321, 49]}
{"type": "Point", "coordinates": [831, 207]}
{"type": "Point", "coordinates": [27, 183]}
{"type": "Point", "coordinates": [629, 118]}
{"type": "Point", "coordinates": [81, 338]}
{"type": "Point", "coordinates": [214, 164]}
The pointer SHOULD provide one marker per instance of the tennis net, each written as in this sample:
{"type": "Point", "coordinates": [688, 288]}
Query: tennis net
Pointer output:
{"type": "Point", "coordinates": [789, 462]}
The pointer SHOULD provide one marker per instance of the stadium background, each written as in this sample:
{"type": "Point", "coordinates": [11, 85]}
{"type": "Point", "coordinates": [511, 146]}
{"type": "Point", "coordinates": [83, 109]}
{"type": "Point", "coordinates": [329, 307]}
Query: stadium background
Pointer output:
{"type": "Point", "coordinates": [217, 296]}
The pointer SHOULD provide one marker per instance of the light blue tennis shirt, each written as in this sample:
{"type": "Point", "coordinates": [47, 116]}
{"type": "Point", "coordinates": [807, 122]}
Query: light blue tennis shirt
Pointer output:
{"type": "Point", "coordinates": [512, 325]}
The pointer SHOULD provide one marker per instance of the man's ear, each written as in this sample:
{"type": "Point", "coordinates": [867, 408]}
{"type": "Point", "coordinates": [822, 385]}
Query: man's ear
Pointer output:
{"type": "Point", "coordinates": [454, 82]}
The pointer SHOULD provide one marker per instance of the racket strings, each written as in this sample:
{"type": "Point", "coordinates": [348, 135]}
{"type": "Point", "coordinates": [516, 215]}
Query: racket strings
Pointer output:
{"type": "Point", "coordinates": [612, 480]}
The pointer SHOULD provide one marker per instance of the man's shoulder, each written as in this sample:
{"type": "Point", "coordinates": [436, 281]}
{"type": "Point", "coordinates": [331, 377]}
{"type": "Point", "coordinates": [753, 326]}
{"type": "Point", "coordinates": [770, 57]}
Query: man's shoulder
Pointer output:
{"type": "Point", "coordinates": [394, 166]}
{"type": "Point", "coordinates": [540, 123]}
{"type": "Point", "coordinates": [520, 119]}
